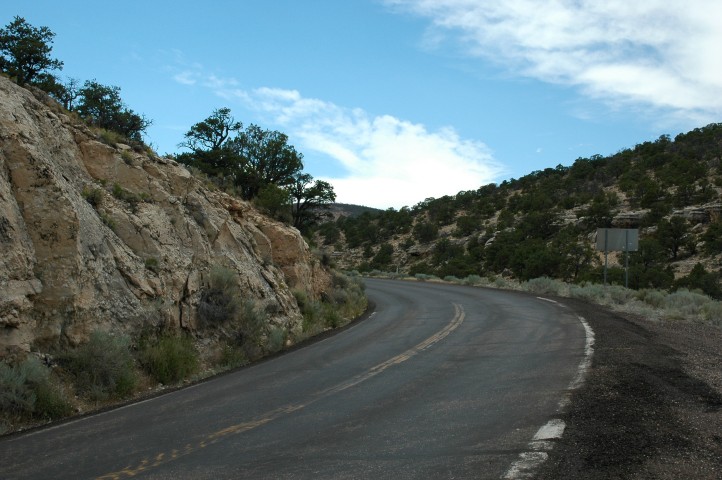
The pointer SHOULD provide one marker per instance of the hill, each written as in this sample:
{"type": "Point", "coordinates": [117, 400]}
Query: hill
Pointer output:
{"type": "Point", "coordinates": [544, 224]}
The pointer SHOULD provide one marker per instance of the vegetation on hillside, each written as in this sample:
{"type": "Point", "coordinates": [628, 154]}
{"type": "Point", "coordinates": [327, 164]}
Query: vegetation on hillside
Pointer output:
{"type": "Point", "coordinates": [25, 56]}
{"type": "Point", "coordinates": [258, 165]}
{"type": "Point", "coordinates": [543, 224]}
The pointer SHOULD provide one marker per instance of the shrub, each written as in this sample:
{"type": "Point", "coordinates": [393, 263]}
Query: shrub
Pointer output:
{"type": "Point", "coordinates": [311, 311]}
{"type": "Point", "coordinates": [685, 303]}
{"type": "Point", "coordinates": [277, 339]}
{"type": "Point", "coordinates": [252, 324]}
{"type": "Point", "coordinates": [620, 295]}
{"type": "Point", "coordinates": [110, 137]}
{"type": "Point", "coordinates": [592, 292]}
{"type": "Point", "coordinates": [345, 302]}
{"type": "Point", "coordinates": [107, 220]}
{"type": "Point", "coordinates": [103, 367]}
{"type": "Point", "coordinates": [93, 196]}
{"type": "Point", "coordinates": [151, 263]}
{"type": "Point", "coordinates": [27, 390]}
{"type": "Point", "coordinates": [712, 312]}
{"type": "Point", "coordinates": [232, 357]}
{"type": "Point", "coordinates": [127, 157]}
{"type": "Point", "coordinates": [544, 286]}
{"type": "Point", "coordinates": [220, 301]}
{"type": "Point", "coordinates": [128, 197]}
{"type": "Point", "coordinates": [654, 298]}
{"type": "Point", "coordinates": [170, 359]}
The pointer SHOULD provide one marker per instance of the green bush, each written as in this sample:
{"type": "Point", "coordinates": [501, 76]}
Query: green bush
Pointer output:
{"type": "Point", "coordinates": [170, 359]}
{"type": "Point", "coordinates": [345, 302]}
{"type": "Point", "coordinates": [685, 303]}
{"type": "Point", "coordinates": [103, 367]}
{"type": "Point", "coordinates": [277, 339]}
{"type": "Point", "coordinates": [544, 286]}
{"type": "Point", "coordinates": [27, 391]}
{"type": "Point", "coordinates": [452, 279]}
{"type": "Point", "coordinates": [712, 312]}
{"type": "Point", "coordinates": [93, 196]}
{"type": "Point", "coordinates": [220, 301]}
{"type": "Point", "coordinates": [110, 137]}
{"type": "Point", "coordinates": [152, 264]}
{"type": "Point", "coordinates": [251, 326]}
{"type": "Point", "coordinates": [108, 220]}
{"type": "Point", "coordinates": [654, 298]}
{"type": "Point", "coordinates": [127, 157]}
{"type": "Point", "coordinates": [592, 292]}
{"type": "Point", "coordinates": [232, 357]}
{"type": "Point", "coordinates": [126, 196]}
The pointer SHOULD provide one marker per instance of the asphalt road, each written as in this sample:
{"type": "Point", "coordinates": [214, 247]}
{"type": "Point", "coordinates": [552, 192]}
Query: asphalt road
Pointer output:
{"type": "Point", "coordinates": [440, 381]}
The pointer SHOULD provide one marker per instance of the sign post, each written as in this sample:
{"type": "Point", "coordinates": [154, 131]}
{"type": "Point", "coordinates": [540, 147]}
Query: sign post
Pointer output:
{"type": "Point", "coordinates": [618, 240]}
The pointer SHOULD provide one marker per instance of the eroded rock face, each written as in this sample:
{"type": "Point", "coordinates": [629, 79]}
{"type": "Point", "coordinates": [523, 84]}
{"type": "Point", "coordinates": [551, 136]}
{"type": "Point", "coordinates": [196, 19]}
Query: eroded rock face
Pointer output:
{"type": "Point", "coordinates": [99, 237]}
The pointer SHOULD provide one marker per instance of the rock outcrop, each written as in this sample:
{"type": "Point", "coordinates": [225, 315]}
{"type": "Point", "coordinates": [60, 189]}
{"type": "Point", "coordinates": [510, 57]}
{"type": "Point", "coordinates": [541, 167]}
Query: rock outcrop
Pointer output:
{"type": "Point", "coordinates": [94, 236]}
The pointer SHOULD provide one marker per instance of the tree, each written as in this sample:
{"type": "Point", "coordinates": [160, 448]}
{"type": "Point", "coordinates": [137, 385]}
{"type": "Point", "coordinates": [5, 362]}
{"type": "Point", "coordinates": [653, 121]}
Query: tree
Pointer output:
{"type": "Point", "coordinates": [713, 238]}
{"type": "Point", "coordinates": [265, 157]}
{"type": "Point", "coordinates": [211, 133]}
{"type": "Point", "coordinates": [102, 106]}
{"type": "Point", "coordinates": [701, 279]}
{"type": "Point", "coordinates": [275, 201]}
{"type": "Point", "coordinates": [425, 232]}
{"type": "Point", "coordinates": [673, 234]}
{"type": "Point", "coordinates": [250, 159]}
{"type": "Point", "coordinates": [68, 93]}
{"type": "Point", "coordinates": [383, 257]}
{"type": "Point", "coordinates": [310, 199]}
{"type": "Point", "coordinates": [25, 51]}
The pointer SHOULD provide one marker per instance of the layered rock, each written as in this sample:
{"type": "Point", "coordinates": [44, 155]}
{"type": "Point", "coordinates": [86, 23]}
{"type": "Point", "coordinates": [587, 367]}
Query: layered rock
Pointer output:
{"type": "Point", "coordinates": [94, 236]}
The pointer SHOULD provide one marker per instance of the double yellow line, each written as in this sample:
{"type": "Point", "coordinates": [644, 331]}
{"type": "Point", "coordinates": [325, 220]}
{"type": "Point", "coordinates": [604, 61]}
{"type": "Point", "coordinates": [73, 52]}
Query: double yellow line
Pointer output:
{"type": "Point", "coordinates": [215, 437]}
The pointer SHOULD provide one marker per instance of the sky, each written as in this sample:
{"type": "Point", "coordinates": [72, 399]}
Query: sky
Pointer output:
{"type": "Point", "coordinates": [397, 101]}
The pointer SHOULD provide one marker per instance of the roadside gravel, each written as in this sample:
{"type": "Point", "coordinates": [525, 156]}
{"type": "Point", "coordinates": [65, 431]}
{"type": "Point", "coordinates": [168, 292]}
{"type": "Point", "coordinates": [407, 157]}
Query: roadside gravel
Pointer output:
{"type": "Point", "coordinates": [651, 406]}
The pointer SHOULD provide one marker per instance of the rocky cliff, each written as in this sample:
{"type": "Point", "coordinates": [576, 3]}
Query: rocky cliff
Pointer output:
{"type": "Point", "coordinates": [94, 236]}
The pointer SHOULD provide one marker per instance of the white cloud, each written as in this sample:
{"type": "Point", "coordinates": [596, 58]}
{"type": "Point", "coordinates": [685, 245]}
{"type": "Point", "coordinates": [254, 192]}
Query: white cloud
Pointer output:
{"type": "Point", "coordinates": [653, 53]}
{"type": "Point", "coordinates": [389, 162]}
{"type": "Point", "coordinates": [186, 78]}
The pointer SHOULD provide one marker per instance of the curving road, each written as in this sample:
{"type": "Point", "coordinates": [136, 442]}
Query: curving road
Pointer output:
{"type": "Point", "coordinates": [440, 381]}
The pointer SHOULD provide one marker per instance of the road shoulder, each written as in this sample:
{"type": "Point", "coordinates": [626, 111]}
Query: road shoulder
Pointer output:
{"type": "Point", "coordinates": [651, 406]}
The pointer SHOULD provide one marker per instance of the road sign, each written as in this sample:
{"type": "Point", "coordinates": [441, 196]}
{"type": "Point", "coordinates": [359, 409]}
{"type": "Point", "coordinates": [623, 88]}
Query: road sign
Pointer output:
{"type": "Point", "coordinates": [618, 239]}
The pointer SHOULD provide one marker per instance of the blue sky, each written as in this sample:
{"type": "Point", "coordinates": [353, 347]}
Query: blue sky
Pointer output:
{"type": "Point", "coordinates": [394, 101]}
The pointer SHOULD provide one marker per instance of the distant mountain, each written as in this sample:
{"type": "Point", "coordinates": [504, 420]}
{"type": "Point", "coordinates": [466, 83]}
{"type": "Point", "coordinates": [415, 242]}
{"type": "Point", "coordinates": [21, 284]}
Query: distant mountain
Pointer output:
{"type": "Point", "coordinates": [544, 224]}
{"type": "Point", "coordinates": [346, 210]}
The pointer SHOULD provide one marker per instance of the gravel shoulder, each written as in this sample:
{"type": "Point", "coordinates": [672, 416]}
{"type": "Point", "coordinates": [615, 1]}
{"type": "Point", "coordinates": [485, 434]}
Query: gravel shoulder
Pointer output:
{"type": "Point", "coordinates": [651, 406]}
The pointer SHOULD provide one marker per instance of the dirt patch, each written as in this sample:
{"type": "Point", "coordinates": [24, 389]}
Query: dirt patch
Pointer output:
{"type": "Point", "coordinates": [651, 407]}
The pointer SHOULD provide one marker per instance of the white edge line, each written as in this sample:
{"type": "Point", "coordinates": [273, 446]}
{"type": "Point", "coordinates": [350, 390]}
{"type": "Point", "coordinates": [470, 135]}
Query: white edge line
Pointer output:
{"type": "Point", "coordinates": [528, 462]}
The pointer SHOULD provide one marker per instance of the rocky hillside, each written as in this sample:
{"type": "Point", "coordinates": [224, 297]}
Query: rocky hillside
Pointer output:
{"type": "Point", "coordinates": [99, 235]}
{"type": "Point", "coordinates": [544, 224]}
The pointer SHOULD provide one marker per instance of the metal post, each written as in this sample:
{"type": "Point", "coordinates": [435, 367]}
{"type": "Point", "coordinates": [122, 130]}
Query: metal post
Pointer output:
{"type": "Point", "coordinates": [606, 239]}
{"type": "Point", "coordinates": [626, 258]}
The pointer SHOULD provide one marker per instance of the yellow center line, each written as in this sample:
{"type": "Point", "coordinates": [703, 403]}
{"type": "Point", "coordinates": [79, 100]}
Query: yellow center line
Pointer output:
{"type": "Point", "coordinates": [165, 457]}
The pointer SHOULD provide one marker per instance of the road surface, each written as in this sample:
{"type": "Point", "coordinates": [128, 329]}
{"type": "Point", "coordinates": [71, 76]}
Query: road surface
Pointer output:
{"type": "Point", "coordinates": [441, 381]}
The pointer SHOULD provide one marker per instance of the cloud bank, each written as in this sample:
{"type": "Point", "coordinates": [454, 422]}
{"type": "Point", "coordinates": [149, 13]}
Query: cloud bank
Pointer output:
{"type": "Point", "coordinates": [389, 162]}
{"type": "Point", "coordinates": [651, 53]}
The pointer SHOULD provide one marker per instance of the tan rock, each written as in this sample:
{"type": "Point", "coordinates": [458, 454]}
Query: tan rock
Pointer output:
{"type": "Point", "coordinates": [141, 254]}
